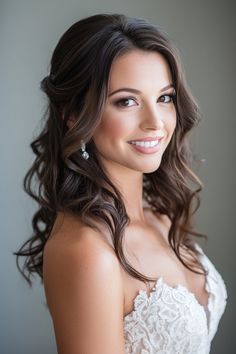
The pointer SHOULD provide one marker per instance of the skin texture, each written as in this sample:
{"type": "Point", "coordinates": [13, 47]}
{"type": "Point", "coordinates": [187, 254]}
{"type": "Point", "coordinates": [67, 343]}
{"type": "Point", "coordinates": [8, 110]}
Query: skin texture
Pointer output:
{"type": "Point", "coordinates": [144, 115]}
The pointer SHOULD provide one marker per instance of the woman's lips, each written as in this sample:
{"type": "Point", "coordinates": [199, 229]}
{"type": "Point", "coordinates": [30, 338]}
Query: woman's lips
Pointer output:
{"type": "Point", "coordinates": [147, 150]}
{"type": "Point", "coordinates": [150, 138]}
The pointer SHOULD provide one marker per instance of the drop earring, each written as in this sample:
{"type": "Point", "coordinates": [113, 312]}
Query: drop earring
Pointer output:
{"type": "Point", "coordinates": [85, 154]}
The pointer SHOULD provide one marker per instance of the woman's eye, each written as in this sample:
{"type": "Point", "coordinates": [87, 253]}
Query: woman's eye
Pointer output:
{"type": "Point", "coordinates": [124, 102]}
{"type": "Point", "coordinates": [170, 98]}
{"type": "Point", "coordinates": [127, 101]}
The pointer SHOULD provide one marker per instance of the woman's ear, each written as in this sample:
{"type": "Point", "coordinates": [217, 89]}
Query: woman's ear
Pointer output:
{"type": "Point", "coordinates": [71, 122]}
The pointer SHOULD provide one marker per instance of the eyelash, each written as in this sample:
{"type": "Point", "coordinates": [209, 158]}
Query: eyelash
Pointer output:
{"type": "Point", "coordinates": [118, 103]}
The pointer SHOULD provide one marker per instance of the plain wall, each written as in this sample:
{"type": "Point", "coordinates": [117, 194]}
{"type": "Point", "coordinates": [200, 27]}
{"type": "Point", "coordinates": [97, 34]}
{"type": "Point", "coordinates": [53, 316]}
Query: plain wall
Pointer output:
{"type": "Point", "coordinates": [29, 30]}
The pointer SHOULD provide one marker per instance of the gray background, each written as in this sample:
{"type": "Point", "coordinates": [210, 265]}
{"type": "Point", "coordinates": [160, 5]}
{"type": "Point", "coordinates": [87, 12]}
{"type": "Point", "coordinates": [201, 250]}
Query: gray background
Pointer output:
{"type": "Point", "coordinates": [203, 32]}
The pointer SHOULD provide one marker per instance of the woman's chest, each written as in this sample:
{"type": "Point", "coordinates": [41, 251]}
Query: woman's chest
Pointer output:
{"type": "Point", "coordinates": [149, 253]}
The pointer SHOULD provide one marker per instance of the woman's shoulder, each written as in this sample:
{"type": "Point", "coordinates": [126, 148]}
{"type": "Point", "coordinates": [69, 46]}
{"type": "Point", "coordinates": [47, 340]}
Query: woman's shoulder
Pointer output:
{"type": "Point", "coordinates": [70, 229]}
{"type": "Point", "coordinates": [73, 245]}
{"type": "Point", "coordinates": [71, 236]}
{"type": "Point", "coordinates": [79, 273]}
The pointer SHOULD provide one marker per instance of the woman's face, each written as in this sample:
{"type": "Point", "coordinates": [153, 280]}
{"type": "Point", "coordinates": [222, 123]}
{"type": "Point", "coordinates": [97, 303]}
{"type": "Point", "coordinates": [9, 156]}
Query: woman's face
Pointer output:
{"type": "Point", "coordinates": [143, 108]}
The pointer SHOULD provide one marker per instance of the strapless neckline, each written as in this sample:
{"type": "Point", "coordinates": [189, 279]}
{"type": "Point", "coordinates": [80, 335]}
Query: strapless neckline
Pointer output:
{"type": "Point", "coordinates": [179, 287]}
{"type": "Point", "coordinates": [170, 319]}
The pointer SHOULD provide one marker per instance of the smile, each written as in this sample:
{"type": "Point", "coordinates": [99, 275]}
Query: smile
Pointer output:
{"type": "Point", "coordinates": [146, 147]}
{"type": "Point", "coordinates": [145, 144]}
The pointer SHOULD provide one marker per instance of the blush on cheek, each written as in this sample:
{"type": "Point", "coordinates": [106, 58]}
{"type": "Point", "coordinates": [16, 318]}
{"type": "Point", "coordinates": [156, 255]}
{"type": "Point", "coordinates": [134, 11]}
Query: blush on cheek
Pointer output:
{"type": "Point", "coordinates": [116, 129]}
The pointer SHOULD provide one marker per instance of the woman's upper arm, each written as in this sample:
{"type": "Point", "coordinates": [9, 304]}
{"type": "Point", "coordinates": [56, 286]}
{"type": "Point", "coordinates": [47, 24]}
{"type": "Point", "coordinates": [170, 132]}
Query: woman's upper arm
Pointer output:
{"type": "Point", "coordinates": [84, 293]}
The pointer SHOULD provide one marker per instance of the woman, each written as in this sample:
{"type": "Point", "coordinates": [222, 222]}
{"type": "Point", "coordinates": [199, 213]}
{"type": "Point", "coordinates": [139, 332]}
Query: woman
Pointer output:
{"type": "Point", "coordinates": [120, 268]}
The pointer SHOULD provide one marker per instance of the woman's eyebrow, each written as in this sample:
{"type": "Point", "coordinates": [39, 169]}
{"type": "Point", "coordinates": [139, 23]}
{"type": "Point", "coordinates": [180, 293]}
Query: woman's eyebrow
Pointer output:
{"type": "Point", "coordinates": [129, 89]}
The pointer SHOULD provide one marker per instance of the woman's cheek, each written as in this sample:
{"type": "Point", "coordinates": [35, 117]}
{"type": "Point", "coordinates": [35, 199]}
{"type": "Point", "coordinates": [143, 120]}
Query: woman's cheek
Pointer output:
{"type": "Point", "coordinates": [118, 127]}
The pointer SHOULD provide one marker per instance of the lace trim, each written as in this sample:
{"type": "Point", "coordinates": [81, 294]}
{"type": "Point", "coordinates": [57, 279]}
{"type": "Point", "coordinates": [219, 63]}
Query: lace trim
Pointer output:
{"type": "Point", "coordinates": [154, 326]}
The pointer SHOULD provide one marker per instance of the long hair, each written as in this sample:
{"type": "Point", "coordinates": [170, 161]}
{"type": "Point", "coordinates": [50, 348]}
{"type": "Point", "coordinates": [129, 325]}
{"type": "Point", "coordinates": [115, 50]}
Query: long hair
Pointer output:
{"type": "Point", "coordinates": [77, 87]}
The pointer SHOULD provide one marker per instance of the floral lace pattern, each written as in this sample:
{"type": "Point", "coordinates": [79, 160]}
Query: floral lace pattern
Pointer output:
{"type": "Point", "coordinates": [170, 320]}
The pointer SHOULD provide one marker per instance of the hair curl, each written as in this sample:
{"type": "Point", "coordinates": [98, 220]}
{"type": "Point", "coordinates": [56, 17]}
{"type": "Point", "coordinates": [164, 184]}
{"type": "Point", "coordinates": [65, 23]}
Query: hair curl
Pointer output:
{"type": "Point", "coordinates": [77, 87]}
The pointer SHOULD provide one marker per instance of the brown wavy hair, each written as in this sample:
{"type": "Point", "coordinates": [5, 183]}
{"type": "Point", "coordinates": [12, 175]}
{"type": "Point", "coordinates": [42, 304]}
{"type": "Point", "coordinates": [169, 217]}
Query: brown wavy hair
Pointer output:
{"type": "Point", "coordinates": [77, 87]}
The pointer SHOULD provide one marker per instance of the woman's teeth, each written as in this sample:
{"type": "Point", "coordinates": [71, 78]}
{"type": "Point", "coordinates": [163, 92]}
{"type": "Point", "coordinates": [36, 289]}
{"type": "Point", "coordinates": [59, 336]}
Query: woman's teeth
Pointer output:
{"type": "Point", "coordinates": [146, 144]}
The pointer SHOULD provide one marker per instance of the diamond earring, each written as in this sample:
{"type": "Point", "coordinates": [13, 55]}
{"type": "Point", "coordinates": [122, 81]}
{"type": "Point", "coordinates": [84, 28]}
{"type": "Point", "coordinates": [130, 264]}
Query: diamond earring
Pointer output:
{"type": "Point", "coordinates": [85, 154]}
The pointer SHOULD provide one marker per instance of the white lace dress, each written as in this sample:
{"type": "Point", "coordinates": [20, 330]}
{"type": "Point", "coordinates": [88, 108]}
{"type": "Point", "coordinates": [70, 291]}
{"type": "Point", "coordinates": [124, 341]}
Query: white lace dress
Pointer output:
{"type": "Point", "coordinates": [170, 320]}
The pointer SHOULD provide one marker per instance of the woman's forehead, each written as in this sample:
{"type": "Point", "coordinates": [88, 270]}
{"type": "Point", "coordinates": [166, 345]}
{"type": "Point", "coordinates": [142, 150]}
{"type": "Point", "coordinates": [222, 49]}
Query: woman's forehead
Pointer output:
{"type": "Point", "coordinates": [139, 68]}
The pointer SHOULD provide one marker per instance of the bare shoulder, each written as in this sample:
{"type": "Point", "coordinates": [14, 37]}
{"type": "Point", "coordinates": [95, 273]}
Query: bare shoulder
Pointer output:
{"type": "Point", "coordinates": [75, 244]}
{"type": "Point", "coordinates": [68, 228]}
{"type": "Point", "coordinates": [84, 291]}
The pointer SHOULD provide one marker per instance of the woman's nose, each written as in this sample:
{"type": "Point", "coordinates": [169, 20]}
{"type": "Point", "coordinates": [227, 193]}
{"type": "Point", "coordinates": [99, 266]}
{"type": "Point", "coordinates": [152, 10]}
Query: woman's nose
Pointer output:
{"type": "Point", "coordinates": [151, 118]}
